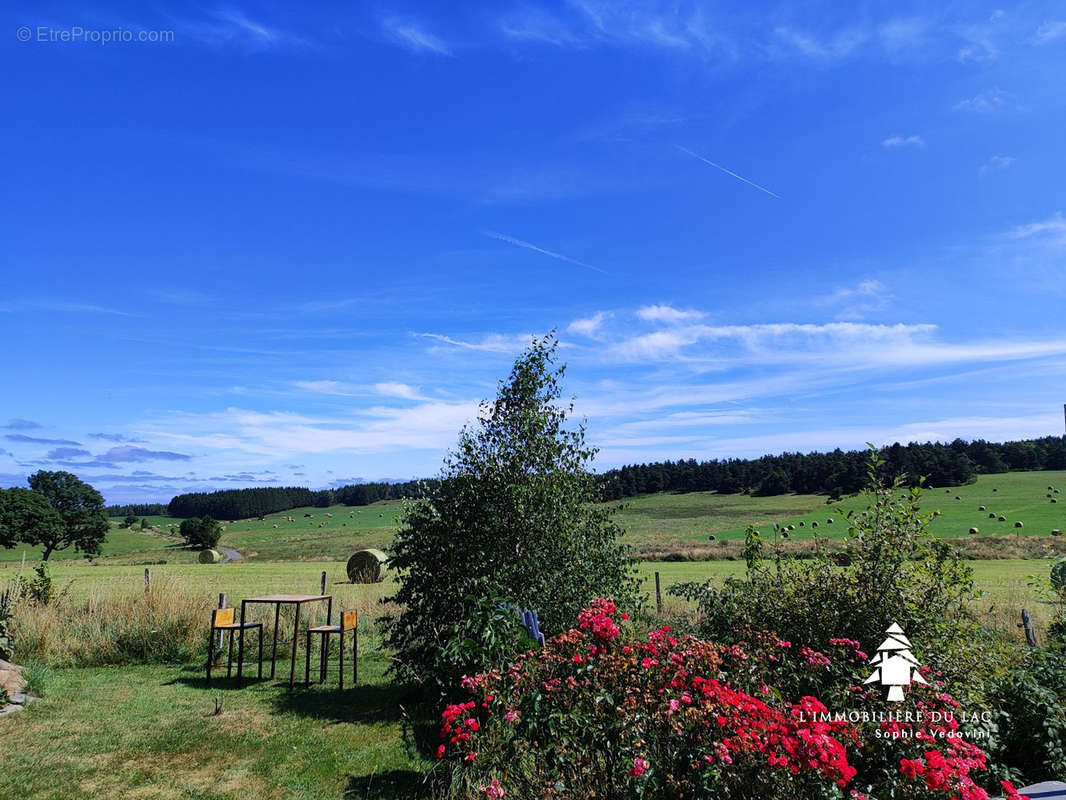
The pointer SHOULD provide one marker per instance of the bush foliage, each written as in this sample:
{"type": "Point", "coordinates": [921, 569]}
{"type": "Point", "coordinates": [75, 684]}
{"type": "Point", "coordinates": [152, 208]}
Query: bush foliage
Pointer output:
{"type": "Point", "coordinates": [513, 519]}
{"type": "Point", "coordinates": [891, 570]}
{"type": "Point", "coordinates": [601, 712]}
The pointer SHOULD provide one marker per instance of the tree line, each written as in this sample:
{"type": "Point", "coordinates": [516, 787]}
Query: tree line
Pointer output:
{"type": "Point", "coordinates": [136, 510]}
{"type": "Point", "coordinates": [835, 473]}
{"type": "Point", "coordinates": [838, 472]}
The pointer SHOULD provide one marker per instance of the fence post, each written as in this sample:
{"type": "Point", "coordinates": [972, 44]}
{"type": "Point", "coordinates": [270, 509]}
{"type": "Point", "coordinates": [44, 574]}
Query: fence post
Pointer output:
{"type": "Point", "coordinates": [1027, 623]}
{"type": "Point", "coordinates": [323, 583]}
{"type": "Point", "coordinates": [658, 595]}
{"type": "Point", "coordinates": [221, 604]}
{"type": "Point", "coordinates": [147, 579]}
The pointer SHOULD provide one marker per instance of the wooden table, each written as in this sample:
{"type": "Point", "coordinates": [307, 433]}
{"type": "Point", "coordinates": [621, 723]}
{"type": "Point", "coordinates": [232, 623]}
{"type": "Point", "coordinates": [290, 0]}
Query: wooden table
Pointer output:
{"type": "Point", "coordinates": [278, 600]}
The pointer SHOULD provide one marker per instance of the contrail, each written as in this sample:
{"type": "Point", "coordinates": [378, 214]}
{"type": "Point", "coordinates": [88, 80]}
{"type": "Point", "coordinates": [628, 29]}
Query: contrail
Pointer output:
{"type": "Point", "coordinates": [727, 171]}
{"type": "Point", "coordinates": [529, 246]}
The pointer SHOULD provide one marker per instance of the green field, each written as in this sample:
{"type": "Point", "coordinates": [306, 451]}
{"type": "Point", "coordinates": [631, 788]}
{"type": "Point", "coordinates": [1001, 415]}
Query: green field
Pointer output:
{"type": "Point", "coordinates": [661, 521]}
{"type": "Point", "coordinates": [1004, 582]}
{"type": "Point", "coordinates": [657, 524]}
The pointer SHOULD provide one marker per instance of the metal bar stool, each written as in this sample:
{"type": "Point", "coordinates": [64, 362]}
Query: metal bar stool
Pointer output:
{"type": "Point", "coordinates": [222, 619]}
{"type": "Point", "coordinates": [349, 622]}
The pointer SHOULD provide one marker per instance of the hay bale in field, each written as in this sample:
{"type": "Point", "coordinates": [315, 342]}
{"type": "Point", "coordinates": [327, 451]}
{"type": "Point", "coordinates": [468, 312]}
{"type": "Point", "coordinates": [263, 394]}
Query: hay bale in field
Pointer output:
{"type": "Point", "coordinates": [980, 508]}
{"type": "Point", "coordinates": [1019, 524]}
{"type": "Point", "coordinates": [957, 497]}
{"type": "Point", "coordinates": [209, 557]}
{"type": "Point", "coordinates": [1001, 518]}
{"type": "Point", "coordinates": [1053, 500]}
{"type": "Point", "coordinates": [1056, 532]}
{"type": "Point", "coordinates": [974, 530]}
{"type": "Point", "coordinates": [992, 515]}
{"type": "Point", "coordinates": [367, 566]}
{"type": "Point", "coordinates": [995, 490]}
{"type": "Point", "coordinates": [814, 524]}
{"type": "Point", "coordinates": [829, 521]}
{"type": "Point", "coordinates": [802, 523]}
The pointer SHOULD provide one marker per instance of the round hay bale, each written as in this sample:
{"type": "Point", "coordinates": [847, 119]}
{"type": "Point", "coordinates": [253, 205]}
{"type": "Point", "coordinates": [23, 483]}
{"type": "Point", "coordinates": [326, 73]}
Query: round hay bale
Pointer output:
{"type": "Point", "coordinates": [209, 557]}
{"type": "Point", "coordinates": [1056, 532]}
{"type": "Point", "coordinates": [802, 523]}
{"type": "Point", "coordinates": [957, 497]}
{"type": "Point", "coordinates": [814, 524]}
{"type": "Point", "coordinates": [980, 508]}
{"type": "Point", "coordinates": [1019, 524]}
{"type": "Point", "coordinates": [1053, 500]}
{"type": "Point", "coordinates": [974, 530]}
{"type": "Point", "coordinates": [992, 515]}
{"type": "Point", "coordinates": [1001, 518]}
{"type": "Point", "coordinates": [995, 490]}
{"type": "Point", "coordinates": [367, 566]}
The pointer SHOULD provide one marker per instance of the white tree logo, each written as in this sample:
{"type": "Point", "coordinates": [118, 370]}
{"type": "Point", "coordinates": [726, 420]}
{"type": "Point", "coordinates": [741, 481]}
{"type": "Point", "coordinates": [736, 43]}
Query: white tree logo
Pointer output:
{"type": "Point", "coordinates": [896, 665]}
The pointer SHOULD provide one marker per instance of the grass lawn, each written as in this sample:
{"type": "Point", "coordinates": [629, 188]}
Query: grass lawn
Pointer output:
{"type": "Point", "coordinates": [151, 732]}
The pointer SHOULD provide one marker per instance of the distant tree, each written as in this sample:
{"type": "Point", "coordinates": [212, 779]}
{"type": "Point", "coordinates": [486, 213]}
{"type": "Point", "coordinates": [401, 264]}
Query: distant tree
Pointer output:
{"type": "Point", "coordinates": [129, 521]}
{"type": "Point", "coordinates": [514, 518]}
{"type": "Point", "coordinates": [26, 515]}
{"type": "Point", "coordinates": [81, 512]}
{"type": "Point", "coordinates": [203, 532]}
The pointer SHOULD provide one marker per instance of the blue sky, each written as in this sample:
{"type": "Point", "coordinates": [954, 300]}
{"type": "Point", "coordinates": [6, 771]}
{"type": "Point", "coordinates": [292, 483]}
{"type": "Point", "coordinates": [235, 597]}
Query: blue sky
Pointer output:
{"type": "Point", "coordinates": [296, 244]}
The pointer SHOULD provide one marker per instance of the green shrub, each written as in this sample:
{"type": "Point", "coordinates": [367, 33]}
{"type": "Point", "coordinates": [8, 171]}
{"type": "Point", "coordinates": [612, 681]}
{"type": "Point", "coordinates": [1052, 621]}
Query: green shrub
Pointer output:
{"type": "Point", "coordinates": [202, 533]}
{"type": "Point", "coordinates": [515, 516]}
{"type": "Point", "coordinates": [1030, 703]}
{"type": "Point", "coordinates": [890, 571]}
{"type": "Point", "coordinates": [600, 712]}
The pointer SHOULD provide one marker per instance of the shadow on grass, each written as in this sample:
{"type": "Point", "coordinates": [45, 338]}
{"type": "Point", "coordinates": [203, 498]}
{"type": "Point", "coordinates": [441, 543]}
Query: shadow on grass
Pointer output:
{"type": "Point", "coordinates": [398, 784]}
{"type": "Point", "coordinates": [196, 680]}
{"type": "Point", "coordinates": [362, 703]}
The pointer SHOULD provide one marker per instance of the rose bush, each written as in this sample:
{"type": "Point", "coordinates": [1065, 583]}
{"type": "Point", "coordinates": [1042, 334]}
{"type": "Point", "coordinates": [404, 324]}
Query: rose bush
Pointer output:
{"type": "Point", "coordinates": [601, 712]}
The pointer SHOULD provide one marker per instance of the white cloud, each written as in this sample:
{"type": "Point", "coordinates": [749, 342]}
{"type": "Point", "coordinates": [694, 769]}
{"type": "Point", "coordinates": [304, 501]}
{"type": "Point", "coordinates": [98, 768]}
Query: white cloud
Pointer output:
{"type": "Point", "coordinates": [284, 436]}
{"type": "Point", "coordinates": [903, 141]}
{"type": "Point", "coordinates": [834, 47]}
{"type": "Point", "coordinates": [983, 102]}
{"type": "Point", "coordinates": [589, 326]}
{"type": "Point", "coordinates": [490, 343]}
{"type": "Point", "coordinates": [997, 163]}
{"type": "Point", "coordinates": [669, 314]}
{"type": "Point", "coordinates": [326, 387]}
{"type": "Point", "coordinates": [402, 390]}
{"type": "Point", "coordinates": [1050, 32]}
{"type": "Point", "coordinates": [866, 297]}
{"type": "Point", "coordinates": [1053, 227]}
{"type": "Point", "coordinates": [414, 37]}
{"type": "Point", "coordinates": [231, 27]}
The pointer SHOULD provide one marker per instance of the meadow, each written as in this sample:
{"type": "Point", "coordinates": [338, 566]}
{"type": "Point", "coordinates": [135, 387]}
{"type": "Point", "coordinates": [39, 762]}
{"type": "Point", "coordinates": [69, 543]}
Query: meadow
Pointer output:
{"type": "Point", "coordinates": [151, 730]}
{"type": "Point", "coordinates": [658, 525]}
